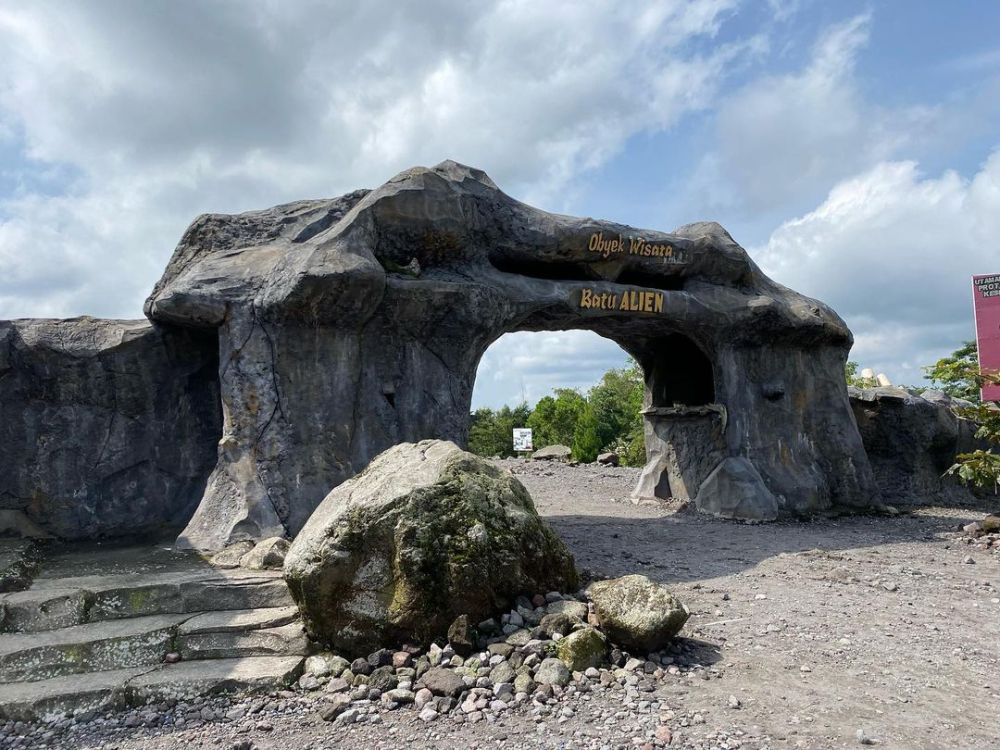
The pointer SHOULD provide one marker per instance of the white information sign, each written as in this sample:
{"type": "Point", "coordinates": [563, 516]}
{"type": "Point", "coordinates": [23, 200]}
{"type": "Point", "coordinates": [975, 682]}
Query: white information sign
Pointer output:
{"type": "Point", "coordinates": [522, 439]}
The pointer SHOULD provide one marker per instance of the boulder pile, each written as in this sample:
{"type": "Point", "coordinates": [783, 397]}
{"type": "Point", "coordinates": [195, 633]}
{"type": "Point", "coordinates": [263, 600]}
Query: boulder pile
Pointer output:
{"type": "Point", "coordinates": [547, 648]}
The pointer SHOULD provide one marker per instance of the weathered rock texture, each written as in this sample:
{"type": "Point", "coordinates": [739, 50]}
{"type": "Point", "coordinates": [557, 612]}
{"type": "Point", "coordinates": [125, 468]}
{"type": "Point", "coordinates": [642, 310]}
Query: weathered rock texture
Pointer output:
{"type": "Point", "coordinates": [107, 427]}
{"type": "Point", "coordinates": [911, 441]}
{"type": "Point", "coordinates": [346, 326]}
{"type": "Point", "coordinates": [637, 613]}
{"type": "Point", "coordinates": [426, 533]}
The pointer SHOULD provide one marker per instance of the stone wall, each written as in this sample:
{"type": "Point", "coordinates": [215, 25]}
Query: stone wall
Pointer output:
{"type": "Point", "coordinates": [108, 427]}
{"type": "Point", "coordinates": [911, 440]}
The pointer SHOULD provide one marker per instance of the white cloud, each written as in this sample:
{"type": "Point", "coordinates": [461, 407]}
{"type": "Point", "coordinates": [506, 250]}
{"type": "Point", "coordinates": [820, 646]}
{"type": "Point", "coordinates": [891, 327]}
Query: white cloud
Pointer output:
{"type": "Point", "coordinates": [526, 366]}
{"type": "Point", "coordinates": [163, 110]}
{"type": "Point", "coordinates": [894, 251]}
{"type": "Point", "coordinates": [782, 138]}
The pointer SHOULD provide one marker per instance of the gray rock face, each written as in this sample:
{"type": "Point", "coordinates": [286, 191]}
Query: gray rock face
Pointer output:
{"type": "Point", "coordinates": [734, 489]}
{"type": "Point", "coordinates": [349, 325]}
{"type": "Point", "coordinates": [425, 534]}
{"type": "Point", "coordinates": [108, 427]}
{"type": "Point", "coordinates": [911, 441]}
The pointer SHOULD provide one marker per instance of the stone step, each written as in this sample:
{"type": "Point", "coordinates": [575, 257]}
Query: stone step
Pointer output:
{"type": "Point", "coordinates": [94, 647]}
{"type": "Point", "coordinates": [62, 602]}
{"type": "Point", "coordinates": [239, 620]}
{"type": "Point", "coordinates": [101, 691]}
{"type": "Point", "coordinates": [287, 640]}
{"type": "Point", "coordinates": [54, 698]}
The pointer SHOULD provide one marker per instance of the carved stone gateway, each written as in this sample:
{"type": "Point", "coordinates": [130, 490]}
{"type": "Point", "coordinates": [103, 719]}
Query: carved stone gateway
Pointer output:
{"type": "Point", "coordinates": [346, 326]}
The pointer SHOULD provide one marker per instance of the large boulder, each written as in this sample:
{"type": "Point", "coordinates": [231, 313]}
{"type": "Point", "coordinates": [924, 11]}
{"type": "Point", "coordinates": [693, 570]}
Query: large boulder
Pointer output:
{"type": "Point", "coordinates": [426, 533]}
{"type": "Point", "coordinates": [911, 441]}
{"type": "Point", "coordinates": [637, 613]}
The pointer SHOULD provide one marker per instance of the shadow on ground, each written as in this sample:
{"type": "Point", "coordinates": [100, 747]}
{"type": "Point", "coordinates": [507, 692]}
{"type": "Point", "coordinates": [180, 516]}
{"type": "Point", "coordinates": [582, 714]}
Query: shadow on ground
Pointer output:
{"type": "Point", "coordinates": [686, 546]}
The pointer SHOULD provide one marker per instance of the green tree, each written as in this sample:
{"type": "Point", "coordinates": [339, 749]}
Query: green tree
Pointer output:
{"type": "Point", "coordinates": [958, 374]}
{"type": "Point", "coordinates": [554, 419]}
{"type": "Point", "coordinates": [491, 433]}
{"type": "Point", "coordinates": [617, 402]}
{"type": "Point", "coordinates": [586, 443]}
{"type": "Point", "coordinates": [617, 405]}
{"type": "Point", "coordinates": [981, 467]}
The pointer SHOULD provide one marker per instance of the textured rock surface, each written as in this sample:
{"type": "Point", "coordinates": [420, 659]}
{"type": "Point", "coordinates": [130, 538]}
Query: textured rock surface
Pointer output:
{"type": "Point", "coordinates": [348, 325]}
{"type": "Point", "coordinates": [582, 649]}
{"type": "Point", "coordinates": [637, 613]}
{"type": "Point", "coordinates": [553, 453]}
{"type": "Point", "coordinates": [734, 489]}
{"type": "Point", "coordinates": [108, 427]}
{"type": "Point", "coordinates": [426, 533]}
{"type": "Point", "coordinates": [267, 554]}
{"type": "Point", "coordinates": [911, 441]}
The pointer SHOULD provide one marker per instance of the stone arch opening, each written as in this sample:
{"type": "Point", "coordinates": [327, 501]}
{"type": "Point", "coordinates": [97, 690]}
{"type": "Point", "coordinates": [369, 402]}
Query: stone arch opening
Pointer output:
{"type": "Point", "coordinates": [352, 324]}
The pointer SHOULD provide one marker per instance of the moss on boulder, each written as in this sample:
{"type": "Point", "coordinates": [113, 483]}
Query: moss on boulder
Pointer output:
{"type": "Point", "coordinates": [583, 648]}
{"type": "Point", "coordinates": [637, 613]}
{"type": "Point", "coordinates": [426, 533]}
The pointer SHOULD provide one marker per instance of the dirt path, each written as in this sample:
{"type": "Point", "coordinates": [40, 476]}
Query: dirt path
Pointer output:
{"type": "Point", "coordinates": [822, 628]}
{"type": "Point", "coordinates": [801, 635]}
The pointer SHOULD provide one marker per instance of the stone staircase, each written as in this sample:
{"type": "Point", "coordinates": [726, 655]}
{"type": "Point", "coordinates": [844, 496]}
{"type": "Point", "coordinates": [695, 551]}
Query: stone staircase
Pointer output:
{"type": "Point", "coordinates": [92, 629]}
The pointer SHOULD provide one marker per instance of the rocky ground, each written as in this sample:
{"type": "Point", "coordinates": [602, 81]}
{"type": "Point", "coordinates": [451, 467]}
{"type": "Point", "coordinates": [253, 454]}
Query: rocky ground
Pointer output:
{"type": "Point", "coordinates": [835, 633]}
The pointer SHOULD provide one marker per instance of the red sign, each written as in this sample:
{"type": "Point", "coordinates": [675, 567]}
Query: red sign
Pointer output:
{"type": "Point", "coordinates": [986, 293]}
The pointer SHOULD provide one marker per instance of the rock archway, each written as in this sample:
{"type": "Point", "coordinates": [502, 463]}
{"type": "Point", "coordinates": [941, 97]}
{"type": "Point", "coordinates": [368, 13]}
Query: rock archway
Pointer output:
{"type": "Point", "coordinates": [348, 325]}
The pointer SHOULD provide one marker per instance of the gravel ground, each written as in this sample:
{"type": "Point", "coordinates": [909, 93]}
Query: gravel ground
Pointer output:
{"type": "Point", "coordinates": [836, 633]}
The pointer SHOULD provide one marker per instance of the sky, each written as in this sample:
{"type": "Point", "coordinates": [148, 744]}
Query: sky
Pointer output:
{"type": "Point", "coordinates": [853, 148]}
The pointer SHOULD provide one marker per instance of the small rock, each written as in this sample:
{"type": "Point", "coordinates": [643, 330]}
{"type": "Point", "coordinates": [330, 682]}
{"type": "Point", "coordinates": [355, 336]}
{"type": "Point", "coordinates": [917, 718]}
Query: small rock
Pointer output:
{"type": "Point", "coordinates": [441, 681]}
{"type": "Point", "coordinates": [552, 672]}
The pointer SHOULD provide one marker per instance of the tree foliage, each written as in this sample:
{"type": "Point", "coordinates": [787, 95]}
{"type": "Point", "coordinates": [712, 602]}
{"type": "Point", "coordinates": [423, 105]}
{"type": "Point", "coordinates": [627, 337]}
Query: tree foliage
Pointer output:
{"type": "Point", "coordinates": [958, 374]}
{"type": "Point", "coordinates": [491, 432]}
{"type": "Point", "coordinates": [606, 418]}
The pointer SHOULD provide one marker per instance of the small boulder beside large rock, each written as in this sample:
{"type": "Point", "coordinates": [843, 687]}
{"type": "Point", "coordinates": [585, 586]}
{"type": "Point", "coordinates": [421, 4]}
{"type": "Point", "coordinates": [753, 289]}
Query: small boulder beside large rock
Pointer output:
{"type": "Point", "coordinates": [553, 453]}
{"type": "Point", "coordinates": [425, 534]}
{"type": "Point", "coordinates": [637, 613]}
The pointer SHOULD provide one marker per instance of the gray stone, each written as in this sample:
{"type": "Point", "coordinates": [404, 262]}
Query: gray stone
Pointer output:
{"type": "Point", "coordinates": [582, 649]}
{"type": "Point", "coordinates": [387, 558]}
{"type": "Point", "coordinates": [286, 640]}
{"type": "Point", "coordinates": [231, 556]}
{"type": "Point", "coordinates": [441, 681]}
{"type": "Point", "coordinates": [553, 453]}
{"type": "Point", "coordinates": [736, 490]}
{"type": "Point", "coordinates": [570, 607]}
{"type": "Point", "coordinates": [193, 679]}
{"type": "Point", "coordinates": [911, 441]}
{"type": "Point", "coordinates": [238, 620]}
{"type": "Point", "coordinates": [267, 554]}
{"type": "Point", "coordinates": [552, 671]}
{"type": "Point", "coordinates": [323, 321]}
{"type": "Point", "coordinates": [637, 613]}
{"type": "Point", "coordinates": [95, 647]}
{"type": "Point", "coordinates": [109, 428]}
